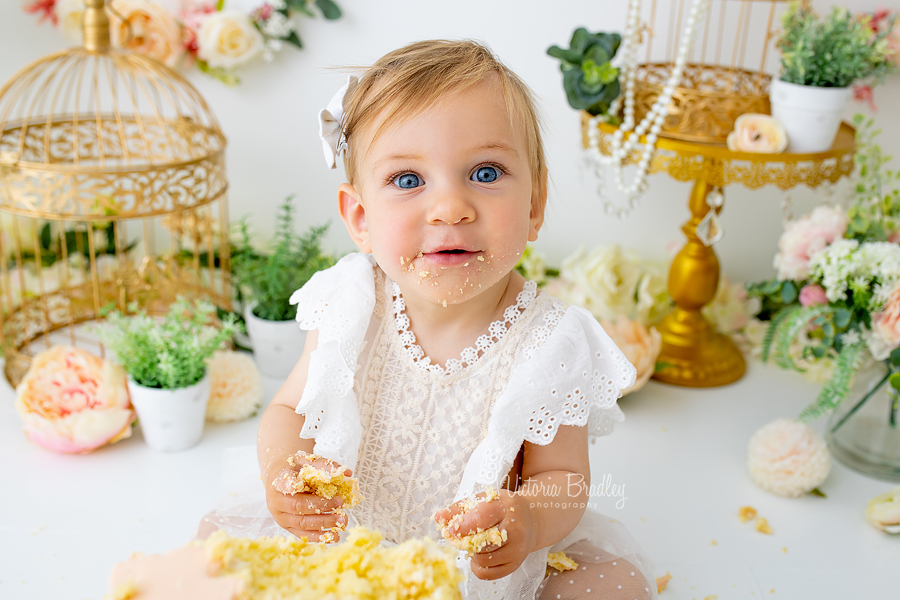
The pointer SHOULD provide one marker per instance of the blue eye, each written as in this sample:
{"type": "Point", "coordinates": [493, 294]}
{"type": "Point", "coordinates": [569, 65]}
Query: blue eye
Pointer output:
{"type": "Point", "coordinates": [408, 181]}
{"type": "Point", "coordinates": [486, 174]}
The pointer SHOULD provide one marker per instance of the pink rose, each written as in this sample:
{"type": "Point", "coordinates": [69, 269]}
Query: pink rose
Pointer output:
{"type": "Point", "coordinates": [803, 238]}
{"type": "Point", "coordinates": [72, 401]}
{"type": "Point", "coordinates": [639, 344]}
{"type": "Point", "coordinates": [885, 334]}
{"type": "Point", "coordinates": [812, 295]}
{"type": "Point", "coordinates": [894, 238]}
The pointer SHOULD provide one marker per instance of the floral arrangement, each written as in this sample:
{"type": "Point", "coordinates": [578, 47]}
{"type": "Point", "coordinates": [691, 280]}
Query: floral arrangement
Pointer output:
{"type": "Point", "coordinates": [835, 51]}
{"type": "Point", "coordinates": [218, 40]}
{"type": "Point", "coordinates": [236, 387]}
{"type": "Point", "coordinates": [837, 290]}
{"type": "Point", "coordinates": [590, 80]}
{"type": "Point", "coordinates": [72, 401]}
{"type": "Point", "coordinates": [270, 279]}
{"type": "Point", "coordinates": [167, 353]}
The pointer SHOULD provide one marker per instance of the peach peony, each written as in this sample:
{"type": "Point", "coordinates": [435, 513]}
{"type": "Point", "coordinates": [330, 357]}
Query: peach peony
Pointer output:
{"type": "Point", "coordinates": [805, 237]}
{"type": "Point", "coordinates": [639, 344]}
{"type": "Point", "coordinates": [883, 511]}
{"type": "Point", "coordinates": [885, 335]}
{"type": "Point", "coordinates": [812, 295]}
{"type": "Point", "coordinates": [757, 133]}
{"type": "Point", "coordinates": [236, 387]}
{"type": "Point", "coordinates": [72, 401]}
{"type": "Point", "coordinates": [788, 458]}
{"type": "Point", "coordinates": [154, 32]}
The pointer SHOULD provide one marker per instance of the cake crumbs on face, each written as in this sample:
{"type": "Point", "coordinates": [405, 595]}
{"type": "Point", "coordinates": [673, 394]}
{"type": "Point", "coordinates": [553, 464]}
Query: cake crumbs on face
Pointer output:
{"type": "Point", "coordinates": [445, 304]}
{"type": "Point", "coordinates": [480, 257]}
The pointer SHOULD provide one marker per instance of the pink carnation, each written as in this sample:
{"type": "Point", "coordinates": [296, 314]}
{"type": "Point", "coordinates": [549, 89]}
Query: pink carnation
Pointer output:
{"type": "Point", "coordinates": [72, 401]}
{"type": "Point", "coordinates": [812, 295]}
{"type": "Point", "coordinates": [805, 237]}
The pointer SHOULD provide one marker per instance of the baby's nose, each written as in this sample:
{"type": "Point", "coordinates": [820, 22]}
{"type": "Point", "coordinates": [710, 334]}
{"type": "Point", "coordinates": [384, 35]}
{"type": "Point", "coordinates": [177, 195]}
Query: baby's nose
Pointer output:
{"type": "Point", "coordinates": [452, 208]}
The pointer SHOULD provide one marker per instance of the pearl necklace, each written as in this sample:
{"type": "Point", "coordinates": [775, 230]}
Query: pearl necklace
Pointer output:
{"type": "Point", "coordinates": [620, 147]}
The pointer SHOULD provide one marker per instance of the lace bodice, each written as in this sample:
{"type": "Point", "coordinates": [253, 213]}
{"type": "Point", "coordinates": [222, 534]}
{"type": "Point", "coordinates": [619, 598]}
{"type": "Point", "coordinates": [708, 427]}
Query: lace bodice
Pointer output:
{"type": "Point", "coordinates": [420, 436]}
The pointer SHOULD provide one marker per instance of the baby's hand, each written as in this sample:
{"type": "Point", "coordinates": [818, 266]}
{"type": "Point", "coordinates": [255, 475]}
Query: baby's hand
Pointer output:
{"type": "Point", "coordinates": [511, 514]}
{"type": "Point", "coordinates": [306, 515]}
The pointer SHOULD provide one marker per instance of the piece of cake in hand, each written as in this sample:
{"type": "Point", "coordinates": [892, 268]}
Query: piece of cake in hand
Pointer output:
{"type": "Point", "coordinates": [292, 569]}
{"type": "Point", "coordinates": [560, 561]}
{"type": "Point", "coordinates": [314, 474]}
{"type": "Point", "coordinates": [480, 539]}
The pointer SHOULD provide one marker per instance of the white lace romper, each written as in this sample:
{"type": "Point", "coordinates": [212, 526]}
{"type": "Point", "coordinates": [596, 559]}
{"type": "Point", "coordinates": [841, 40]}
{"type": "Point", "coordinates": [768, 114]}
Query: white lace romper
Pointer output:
{"type": "Point", "coordinates": [419, 437]}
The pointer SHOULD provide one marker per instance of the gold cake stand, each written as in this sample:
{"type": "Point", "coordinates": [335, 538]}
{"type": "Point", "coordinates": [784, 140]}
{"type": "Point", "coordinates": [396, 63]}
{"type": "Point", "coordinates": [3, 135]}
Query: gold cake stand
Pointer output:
{"type": "Point", "coordinates": [693, 354]}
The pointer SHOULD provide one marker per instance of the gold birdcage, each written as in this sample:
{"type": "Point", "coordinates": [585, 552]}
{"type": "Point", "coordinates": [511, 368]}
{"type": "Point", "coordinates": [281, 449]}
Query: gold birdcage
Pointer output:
{"type": "Point", "coordinates": [112, 193]}
{"type": "Point", "coordinates": [728, 71]}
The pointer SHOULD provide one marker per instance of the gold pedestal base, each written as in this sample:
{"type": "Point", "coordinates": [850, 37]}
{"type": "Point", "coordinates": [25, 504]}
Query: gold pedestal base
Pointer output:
{"type": "Point", "coordinates": [694, 355]}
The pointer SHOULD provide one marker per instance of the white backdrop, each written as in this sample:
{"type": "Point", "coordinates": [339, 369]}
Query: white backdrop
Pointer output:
{"type": "Point", "coordinates": [273, 151]}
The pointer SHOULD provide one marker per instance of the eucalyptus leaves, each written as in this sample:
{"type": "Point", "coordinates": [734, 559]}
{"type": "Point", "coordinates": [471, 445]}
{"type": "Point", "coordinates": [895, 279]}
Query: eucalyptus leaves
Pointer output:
{"type": "Point", "coordinates": [590, 81]}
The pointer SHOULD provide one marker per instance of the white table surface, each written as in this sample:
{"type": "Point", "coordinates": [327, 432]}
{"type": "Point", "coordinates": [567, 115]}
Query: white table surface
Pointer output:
{"type": "Point", "coordinates": [681, 454]}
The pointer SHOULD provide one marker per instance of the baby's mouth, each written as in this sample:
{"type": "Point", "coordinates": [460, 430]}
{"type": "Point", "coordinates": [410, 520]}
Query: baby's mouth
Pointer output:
{"type": "Point", "coordinates": [453, 257]}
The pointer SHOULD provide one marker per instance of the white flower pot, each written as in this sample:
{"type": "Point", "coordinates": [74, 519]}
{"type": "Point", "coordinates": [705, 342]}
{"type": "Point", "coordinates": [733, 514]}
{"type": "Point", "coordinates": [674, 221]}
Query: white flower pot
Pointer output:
{"type": "Point", "coordinates": [277, 345]}
{"type": "Point", "coordinates": [171, 420]}
{"type": "Point", "coordinates": [810, 115]}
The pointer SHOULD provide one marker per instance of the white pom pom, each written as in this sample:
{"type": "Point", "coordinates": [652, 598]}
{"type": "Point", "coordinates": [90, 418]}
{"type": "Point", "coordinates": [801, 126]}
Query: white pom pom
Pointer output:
{"type": "Point", "coordinates": [788, 458]}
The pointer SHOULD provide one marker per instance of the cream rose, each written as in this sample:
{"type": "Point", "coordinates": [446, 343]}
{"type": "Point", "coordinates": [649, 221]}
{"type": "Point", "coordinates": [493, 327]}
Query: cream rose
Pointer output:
{"type": "Point", "coordinates": [604, 280]}
{"type": "Point", "coordinates": [228, 39]}
{"type": "Point", "coordinates": [788, 458]}
{"type": "Point", "coordinates": [883, 511]}
{"type": "Point", "coordinates": [639, 344]}
{"type": "Point", "coordinates": [72, 401]}
{"type": "Point", "coordinates": [69, 17]}
{"type": "Point", "coordinates": [757, 133]}
{"type": "Point", "coordinates": [146, 28]}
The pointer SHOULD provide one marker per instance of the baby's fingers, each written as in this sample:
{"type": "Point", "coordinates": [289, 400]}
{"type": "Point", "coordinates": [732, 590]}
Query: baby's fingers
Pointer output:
{"type": "Point", "coordinates": [480, 517]}
{"type": "Point", "coordinates": [317, 523]}
{"type": "Point", "coordinates": [302, 458]}
{"type": "Point", "coordinates": [305, 504]}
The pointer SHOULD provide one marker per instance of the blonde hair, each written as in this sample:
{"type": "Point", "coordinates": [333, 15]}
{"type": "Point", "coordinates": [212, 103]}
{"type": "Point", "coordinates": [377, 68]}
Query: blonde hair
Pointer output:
{"type": "Point", "coordinates": [406, 82]}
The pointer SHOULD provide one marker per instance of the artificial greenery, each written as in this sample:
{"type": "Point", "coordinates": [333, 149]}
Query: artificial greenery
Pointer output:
{"type": "Point", "coordinates": [875, 211]}
{"type": "Point", "coordinates": [590, 81]}
{"type": "Point", "coordinates": [834, 51]}
{"type": "Point", "coordinates": [270, 279]}
{"type": "Point", "coordinates": [167, 353]}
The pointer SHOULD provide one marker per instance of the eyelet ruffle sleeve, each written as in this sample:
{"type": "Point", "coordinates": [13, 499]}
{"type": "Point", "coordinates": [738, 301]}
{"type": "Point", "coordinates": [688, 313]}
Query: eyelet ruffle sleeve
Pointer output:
{"type": "Point", "coordinates": [338, 302]}
{"type": "Point", "coordinates": [572, 378]}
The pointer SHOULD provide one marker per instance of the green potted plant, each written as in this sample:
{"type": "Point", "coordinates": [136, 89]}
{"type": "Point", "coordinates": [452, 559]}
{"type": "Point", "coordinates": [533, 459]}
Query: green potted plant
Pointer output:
{"type": "Point", "coordinates": [821, 58]}
{"type": "Point", "coordinates": [590, 81]}
{"type": "Point", "coordinates": [165, 359]}
{"type": "Point", "coordinates": [268, 280]}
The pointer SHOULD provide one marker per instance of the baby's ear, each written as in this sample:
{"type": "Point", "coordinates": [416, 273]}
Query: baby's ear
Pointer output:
{"type": "Point", "coordinates": [353, 213]}
{"type": "Point", "coordinates": [538, 205]}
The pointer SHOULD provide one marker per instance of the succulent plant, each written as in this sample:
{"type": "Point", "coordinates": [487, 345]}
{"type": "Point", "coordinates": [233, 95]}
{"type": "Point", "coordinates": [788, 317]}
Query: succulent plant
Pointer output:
{"type": "Point", "coordinates": [590, 81]}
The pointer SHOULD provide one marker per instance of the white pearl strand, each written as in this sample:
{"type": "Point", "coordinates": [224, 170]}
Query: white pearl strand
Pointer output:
{"type": "Point", "coordinates": [620, 147]}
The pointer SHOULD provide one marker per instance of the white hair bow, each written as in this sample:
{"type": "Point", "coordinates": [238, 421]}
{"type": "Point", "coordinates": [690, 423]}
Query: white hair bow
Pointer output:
{"type": "Point", "coordinates": [331, 123]}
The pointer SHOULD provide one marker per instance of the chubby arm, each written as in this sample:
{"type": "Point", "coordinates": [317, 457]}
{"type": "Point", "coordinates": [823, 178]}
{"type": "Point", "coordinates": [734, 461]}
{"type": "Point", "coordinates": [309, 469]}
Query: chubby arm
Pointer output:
{"type": "Point", "coordinates": [542, 511]}
{"type": "Point", "coordinates": [279, 438]}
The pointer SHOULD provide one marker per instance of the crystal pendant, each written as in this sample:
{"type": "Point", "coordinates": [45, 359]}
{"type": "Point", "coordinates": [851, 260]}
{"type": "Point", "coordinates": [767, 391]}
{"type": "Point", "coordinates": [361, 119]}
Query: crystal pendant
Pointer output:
{"type": "Point", "coordinates": [709, 230]}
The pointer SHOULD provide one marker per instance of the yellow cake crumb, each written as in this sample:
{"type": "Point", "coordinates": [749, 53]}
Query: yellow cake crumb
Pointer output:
{"type": "Point", "coordinates": [313, 480]}
{"type": "Point", "coordinates": [663, 581]}
{"type": "Point", "coordinates": [746, 513]}
{"type": "Point", "coordinates": [762, 526]}
{"type": "Point", "coordinates": [361, 569]}
{"type": "Point", "coordinates": [784, 549]}
{"type": "Point", "coordinates": [714, 543]}
{"type": "Point", "coordinates": [482, 538]}
{"type": "Point", "coordinates": [480, 257]}
{"type": "Point", "coordinates": [561, 562]}
{"type": "Point", "coordinates": [711, 597]}
{"type": "Point", "coordinates": [125, 591]}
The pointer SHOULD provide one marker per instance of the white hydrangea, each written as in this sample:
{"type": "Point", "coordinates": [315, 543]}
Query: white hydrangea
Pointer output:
{"type": "Point", "coordinates": [845, 265]}
{"type": "Point", "coordinates": [236, 387]}
{"type": "Point", "coordinates": [277, 26]}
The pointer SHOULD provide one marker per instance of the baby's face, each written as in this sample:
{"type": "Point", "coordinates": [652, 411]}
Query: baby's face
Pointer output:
{"type": "Point", "coordinates": [448, 197]}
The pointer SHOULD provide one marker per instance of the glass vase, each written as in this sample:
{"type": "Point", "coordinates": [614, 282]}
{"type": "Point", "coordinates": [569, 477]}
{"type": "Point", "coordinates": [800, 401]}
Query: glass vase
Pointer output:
{"type": "Point", "coordinates": [864, 430]}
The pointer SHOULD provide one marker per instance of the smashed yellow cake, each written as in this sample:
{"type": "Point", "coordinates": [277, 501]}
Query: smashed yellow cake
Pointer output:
{"type": "Point", "coordinates": [279, 568]}
{"type": "Point", "coordinates": [320, 482]}
{"type": "Point", "coordinates": [561, 562]}
{"type": "Point", "coordinates": [482, 538]}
